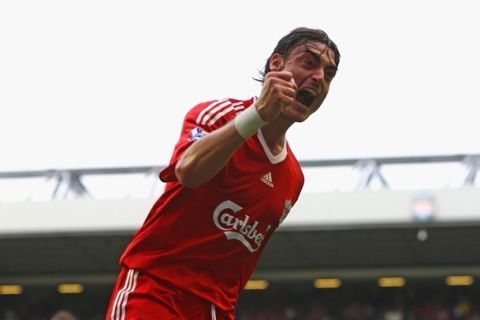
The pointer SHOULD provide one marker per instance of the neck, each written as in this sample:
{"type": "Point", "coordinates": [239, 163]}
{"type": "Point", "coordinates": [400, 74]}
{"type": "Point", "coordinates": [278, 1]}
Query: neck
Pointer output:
{"type": "Point", "coordinates": [274, 134]}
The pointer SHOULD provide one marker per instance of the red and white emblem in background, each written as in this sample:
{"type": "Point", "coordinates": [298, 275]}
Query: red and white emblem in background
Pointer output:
{"type": "Point", "coordinates": [286, 210]}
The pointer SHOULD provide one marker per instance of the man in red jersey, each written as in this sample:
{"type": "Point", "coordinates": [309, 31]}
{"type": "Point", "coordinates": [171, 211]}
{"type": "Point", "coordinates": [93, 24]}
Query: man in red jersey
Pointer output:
{"type": "Point", "coordinates": [231, 181]}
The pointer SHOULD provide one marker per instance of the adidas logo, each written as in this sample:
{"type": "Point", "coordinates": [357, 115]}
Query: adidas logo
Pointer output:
{"type": "Point", "coordinates": [267, 179]}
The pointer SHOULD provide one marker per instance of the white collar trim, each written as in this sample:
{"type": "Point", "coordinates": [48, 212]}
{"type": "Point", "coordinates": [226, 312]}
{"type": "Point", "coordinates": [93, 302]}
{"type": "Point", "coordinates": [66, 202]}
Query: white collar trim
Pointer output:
{"type": "Point", "coordinates": [273, 159]}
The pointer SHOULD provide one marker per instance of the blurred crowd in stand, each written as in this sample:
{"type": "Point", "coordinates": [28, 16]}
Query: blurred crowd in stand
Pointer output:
{"type": "Point", "coordinates": [282, 303]}
{"type": "Point", "coordinates": [402, 305]}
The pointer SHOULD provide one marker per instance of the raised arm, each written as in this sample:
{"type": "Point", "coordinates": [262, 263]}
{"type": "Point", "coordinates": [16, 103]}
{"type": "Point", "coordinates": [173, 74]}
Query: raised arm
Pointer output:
{"type": "Point", "coordinates": [207, 156]}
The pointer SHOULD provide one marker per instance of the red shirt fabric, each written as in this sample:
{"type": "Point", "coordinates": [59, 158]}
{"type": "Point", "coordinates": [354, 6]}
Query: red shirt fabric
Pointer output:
{"type": "Point", "coordinates": [208, 240]}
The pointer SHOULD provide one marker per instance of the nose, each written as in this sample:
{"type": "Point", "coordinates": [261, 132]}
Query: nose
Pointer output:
{"type": "Point", "coordinates": [319, 74]}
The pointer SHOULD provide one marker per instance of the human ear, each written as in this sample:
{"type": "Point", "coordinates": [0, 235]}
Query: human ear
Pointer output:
{"type": "Point", "coordinates": [276, 62]}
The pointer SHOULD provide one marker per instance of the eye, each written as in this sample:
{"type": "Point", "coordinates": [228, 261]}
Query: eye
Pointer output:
{"type": "Point", "coordinates": [330, 73]}
{"type": "Point", "coordinates": [310, 62]}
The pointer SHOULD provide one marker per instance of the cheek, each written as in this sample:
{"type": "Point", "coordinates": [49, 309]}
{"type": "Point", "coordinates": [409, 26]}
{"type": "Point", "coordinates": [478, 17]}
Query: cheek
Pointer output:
{"type": "Point", "coordinates": [324, 92]}
{"type": "Point", "coordinates": [318, 103]}
{"type": "Point", "coordinates": [300, 78]}
{"type": "Point", "coordinates": [322, 97]}
{"type": "Point", "coordinates": [314, 109]}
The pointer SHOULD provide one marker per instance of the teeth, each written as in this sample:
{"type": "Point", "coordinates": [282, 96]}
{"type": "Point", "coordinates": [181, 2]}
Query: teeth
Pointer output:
{"type": "Point", "coordinates": [312, 92]}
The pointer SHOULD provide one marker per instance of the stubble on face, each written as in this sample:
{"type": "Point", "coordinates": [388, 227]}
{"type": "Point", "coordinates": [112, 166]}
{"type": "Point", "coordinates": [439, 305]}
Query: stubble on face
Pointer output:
{"type": "Point", "coordinates": [313, 67]}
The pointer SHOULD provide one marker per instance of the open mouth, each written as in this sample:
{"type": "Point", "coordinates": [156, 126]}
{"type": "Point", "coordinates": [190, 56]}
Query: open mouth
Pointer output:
{"type": "Point", "coordinates": [306, 97]}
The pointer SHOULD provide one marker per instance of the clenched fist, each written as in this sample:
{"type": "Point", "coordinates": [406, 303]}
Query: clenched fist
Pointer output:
{"type": "Point", "coordinates": [278, 91]}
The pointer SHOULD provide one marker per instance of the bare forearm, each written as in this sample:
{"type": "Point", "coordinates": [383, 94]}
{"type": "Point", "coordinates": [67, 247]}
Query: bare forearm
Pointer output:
{"type": "Point", "coordinates": [207, 156]}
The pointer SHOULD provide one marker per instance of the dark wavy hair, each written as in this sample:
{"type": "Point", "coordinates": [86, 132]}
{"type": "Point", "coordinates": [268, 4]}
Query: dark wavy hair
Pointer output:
{"type": "Point", "coordinates": [297, 37]}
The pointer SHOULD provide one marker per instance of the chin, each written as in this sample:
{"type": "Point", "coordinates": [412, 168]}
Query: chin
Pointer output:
{"type": "Point", "coordinates": [298, 113]}
{"type": "Point", "coordinates": [296, 116]}
{"type": "Point", "coordinates": [301, 120]}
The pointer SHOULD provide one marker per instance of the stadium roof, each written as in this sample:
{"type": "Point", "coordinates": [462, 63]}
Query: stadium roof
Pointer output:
{"type": "Point", "coordinates": [361, 233]}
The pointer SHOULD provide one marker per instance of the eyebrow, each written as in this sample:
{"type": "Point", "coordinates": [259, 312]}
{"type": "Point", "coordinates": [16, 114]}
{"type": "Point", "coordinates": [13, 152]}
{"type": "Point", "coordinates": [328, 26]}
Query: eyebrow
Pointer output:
{"type": "Point", "coordinates": [318, 56]}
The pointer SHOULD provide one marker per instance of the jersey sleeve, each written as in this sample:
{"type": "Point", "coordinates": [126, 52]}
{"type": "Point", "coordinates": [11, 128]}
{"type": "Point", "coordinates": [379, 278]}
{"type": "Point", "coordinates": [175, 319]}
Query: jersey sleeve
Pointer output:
{"type": "Point", "coordinates": [199, 121]}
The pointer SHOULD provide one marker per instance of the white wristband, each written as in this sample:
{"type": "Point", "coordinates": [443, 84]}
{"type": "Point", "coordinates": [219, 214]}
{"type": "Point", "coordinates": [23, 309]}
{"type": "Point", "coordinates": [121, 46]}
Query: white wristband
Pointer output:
{"type": "Point", "coordinates": [248, 122]}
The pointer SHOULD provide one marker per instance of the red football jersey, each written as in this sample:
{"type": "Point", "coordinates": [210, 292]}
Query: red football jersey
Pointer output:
{"type": "Point", "coordinates": [208, 240]}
